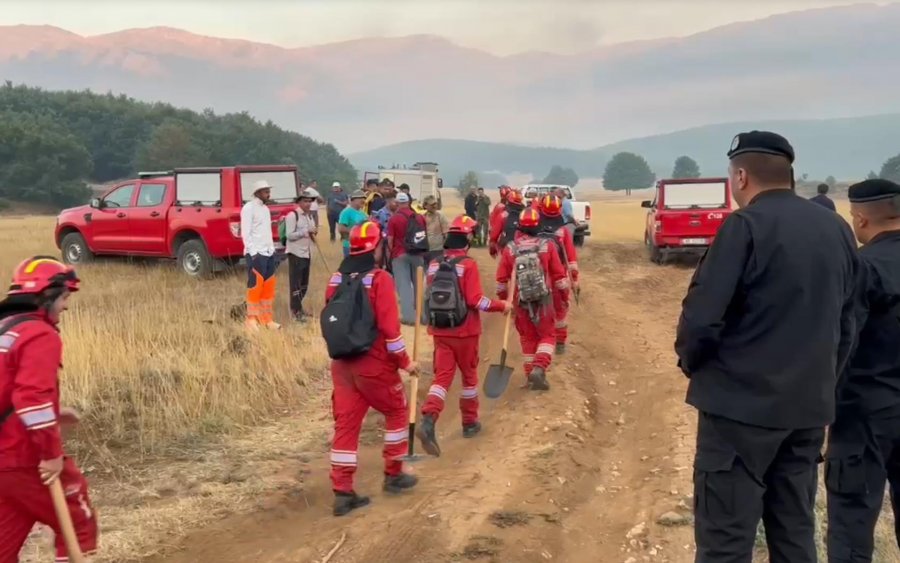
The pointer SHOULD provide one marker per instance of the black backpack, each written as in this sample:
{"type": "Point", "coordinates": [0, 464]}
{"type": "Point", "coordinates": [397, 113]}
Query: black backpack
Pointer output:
{"type": "Point", "coordinates": [348, 321]}
{"type": "Point", "coordinates": [416, 239]}
{"type": "Point", "coordinates": [512, 223]}
{"type": "Point", "coordinates": [445, 304]}
{"type": "Point", "coordinates": [4, 328]}
{"type": "Point", "coordinates": [550, 235]}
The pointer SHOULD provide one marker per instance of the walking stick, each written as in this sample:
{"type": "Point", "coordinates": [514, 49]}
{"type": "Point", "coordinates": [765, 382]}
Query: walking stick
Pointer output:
{"type": "Point", "coordinates": [321, 255]}
{"type": "Point", "coordinates": [65, 522]}
{"type": "Point", "coordinates": [414, 380]}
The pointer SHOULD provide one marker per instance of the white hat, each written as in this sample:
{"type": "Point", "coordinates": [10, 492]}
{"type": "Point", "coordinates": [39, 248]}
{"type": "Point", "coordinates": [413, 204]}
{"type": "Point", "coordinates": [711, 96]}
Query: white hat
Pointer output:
{"type": "Point", "coordinates": [336, 185]}
{"type": "Point", "coordinates": [261, 185]}
{"type": "Point", "coordinates": [402, 197]}
{"type": "Point", "coordinates": [309, 193]}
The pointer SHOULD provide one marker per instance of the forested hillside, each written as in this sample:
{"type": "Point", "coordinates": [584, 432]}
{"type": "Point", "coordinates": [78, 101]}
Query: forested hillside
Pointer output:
{"type": "Point", "coordinates": [53, 143]}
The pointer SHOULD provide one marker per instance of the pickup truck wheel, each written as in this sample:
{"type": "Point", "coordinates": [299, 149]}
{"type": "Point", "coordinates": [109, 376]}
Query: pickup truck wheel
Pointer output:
{"type": "Point", "coordinates": [194, 259]}
{"type": "Point", "coordinates": [75, 250]}
{"type": "Point", "coordinates": [656, 254]}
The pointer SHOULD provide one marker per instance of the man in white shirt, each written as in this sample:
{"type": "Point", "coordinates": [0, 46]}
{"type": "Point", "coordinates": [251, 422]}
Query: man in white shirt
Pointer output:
{"type": "Point", "coordinates": [259, 251]}
{"type": "Point", "coordinates": [314, 206]}
{"type": "Point", "coordinates": [301, 232]}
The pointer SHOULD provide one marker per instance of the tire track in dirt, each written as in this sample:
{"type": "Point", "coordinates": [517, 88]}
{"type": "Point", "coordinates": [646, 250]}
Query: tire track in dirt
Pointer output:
{"type": "Point", "coordinates": [560, 476]}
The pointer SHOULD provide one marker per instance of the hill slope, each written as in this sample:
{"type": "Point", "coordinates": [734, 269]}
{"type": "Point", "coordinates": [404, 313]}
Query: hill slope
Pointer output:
{"type": "Point", "coordinates": [845, 148]}
{"type": "Point", "coordinates": [822, 63]}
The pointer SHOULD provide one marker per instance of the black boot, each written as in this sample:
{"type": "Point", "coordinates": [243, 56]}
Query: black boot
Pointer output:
{"type": "Point", "coordinates": [560, 348]}
{"type": "Point", "coordinates": [538, 380]}
{"type": "Point", "coordinates": [426, 433]}
{"type": "Point", "coordinates": [396, 484]}
{"type": "Point", "coordinates": [470, 430]}
{"type": "Point", "coordinates": [345, 502]}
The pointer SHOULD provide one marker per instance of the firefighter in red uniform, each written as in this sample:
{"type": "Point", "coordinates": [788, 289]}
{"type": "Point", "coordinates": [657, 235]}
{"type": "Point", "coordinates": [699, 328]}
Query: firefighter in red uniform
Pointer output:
{"type": "Point", "coordinates": [535, 321]}
{"type": "Point", "coordinates": [502, 223]}
{"type": "Point", "coordinates": [553, 225]}
{"type": "Point", "coordinates": [371, 380]}
{"type": "Point", "coordinates": [30, 415]}
{"type": "Point", "coordinates": [501, 205]}
{"type": "Point", "coordinates": [457, 346]}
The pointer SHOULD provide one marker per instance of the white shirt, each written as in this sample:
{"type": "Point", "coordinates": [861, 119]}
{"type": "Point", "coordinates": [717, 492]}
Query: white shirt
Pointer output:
{"type": "Point", "coordinates": [314, 206]}
{"type": "Point", "coordinates": [256, 228]}
{"type": "Point", "coordinates": [298, 226]}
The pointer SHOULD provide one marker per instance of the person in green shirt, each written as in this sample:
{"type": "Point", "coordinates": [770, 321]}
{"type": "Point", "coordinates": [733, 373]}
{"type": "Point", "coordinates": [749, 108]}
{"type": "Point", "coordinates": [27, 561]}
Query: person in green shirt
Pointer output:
{"type": "Point", "coordinates": [351, 216]}
{"type": "Point", "coordinates": [482, 215]}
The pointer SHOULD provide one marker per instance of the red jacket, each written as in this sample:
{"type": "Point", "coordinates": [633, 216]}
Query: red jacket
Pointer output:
{"type": "Point", "coordinates": [554, 271]}
{"type": "Point", "coordinates": [30, 358]}
{"type": "Point", "coordinates": [498, 220]}
{"type": "Point", "coordinates": [470, 285]}
{"type": "Point", "coordinates": [389, 348]}
{"type": "Point", "coordinates": [396, 229]}
{"type": "Point", "coordinates": [565, 239]}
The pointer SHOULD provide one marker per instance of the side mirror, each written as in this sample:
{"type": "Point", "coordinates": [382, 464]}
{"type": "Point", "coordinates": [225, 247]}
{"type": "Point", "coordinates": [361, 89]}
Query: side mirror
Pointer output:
{"type": "Point", "coordinates": [646, 204]}
{"type": "Point", "coordinates": [95, 203]}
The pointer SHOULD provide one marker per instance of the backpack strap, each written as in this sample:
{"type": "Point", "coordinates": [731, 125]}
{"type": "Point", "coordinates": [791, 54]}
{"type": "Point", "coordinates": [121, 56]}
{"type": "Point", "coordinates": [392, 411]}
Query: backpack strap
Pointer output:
{"type": "Point", "coordinates": [4, 328]}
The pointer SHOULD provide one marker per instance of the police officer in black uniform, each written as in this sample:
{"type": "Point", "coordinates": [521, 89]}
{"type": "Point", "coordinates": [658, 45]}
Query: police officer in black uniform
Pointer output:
{"type": "Point", "coordinates": [766, 326]}
{"type": "Point", "coordinates": [864, 441]}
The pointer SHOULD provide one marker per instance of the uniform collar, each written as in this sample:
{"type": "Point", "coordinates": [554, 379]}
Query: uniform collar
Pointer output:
{"type": "Point", "coordinates": [884, 236]}
{"type": "Point", "coordinates": [778, 192]}
{"type": "Point", "coordinates": [455, 252]}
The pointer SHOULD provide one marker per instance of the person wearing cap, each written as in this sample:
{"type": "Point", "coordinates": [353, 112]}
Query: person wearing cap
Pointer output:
{"type": "Point", "coordinates": [436, 228]}
{"type": "Point", "coordinates": [337, 201]}
{"type": "Point", "coordinates": [259, 251]}
{"type": "Point", "coordinates": [864, 440]}
{"type": "Point", "coordinates": [314, 206]}
{"type": "Point", "coordinates": [375, 198]}
{"type": "Point", "coordinates": [822, 197]}
{"type": "Point", "coordinates": [766, 327]}
{"type": "Point", "coordinates": [351, 216]}
{"type": "Point", "coordinates": [404, 262]}
{"type": "Point", "coordinates": [301, 231]}
{"type": "Point", "coordinates": [383, 217]}
{"type": "Point", "coordinates": [371, 380]}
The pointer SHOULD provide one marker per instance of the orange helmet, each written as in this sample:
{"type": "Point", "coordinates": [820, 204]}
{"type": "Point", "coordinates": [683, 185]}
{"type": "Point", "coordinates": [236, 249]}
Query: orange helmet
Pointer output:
{"type": "Point", "coordinates": [529, 218]}
{"type": "Point", "coordinates": [515, 197]}
{"type": "Point", "coordinates": [40, 273]}
{"type": "Point", "coordinates": [463, 224]}
{"type": "Point", "coordinates": [364, 238]}
{"type": "Point", "coordinates": [504, 191]}
{"type": "Point", "coordinates": [550, 205]}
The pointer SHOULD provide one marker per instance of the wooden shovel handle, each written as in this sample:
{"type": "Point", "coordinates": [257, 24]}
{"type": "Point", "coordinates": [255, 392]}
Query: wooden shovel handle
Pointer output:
{"type": "Point", "coordinates": [65, 522]}
{"type": "Point", "coordinates": [414, 380]}
{"type": "Point", "coordinates": [509, 299]}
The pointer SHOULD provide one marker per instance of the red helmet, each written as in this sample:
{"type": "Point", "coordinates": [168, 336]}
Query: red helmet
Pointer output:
{"type": "Point", "coordinates": [40, 273]}
{"type": "Point", "coordinates": [463, 224]}
{"type": "Point", "coordinates": [550, 205]}
{"type": "Point", "coordinates": [529, 218]}
{"type": "Point", "coordinates": [364, 238]}
{"type": "Point", "coordinates": [514, 196]}
{"type": "Point", "coordinates": [504, 192]}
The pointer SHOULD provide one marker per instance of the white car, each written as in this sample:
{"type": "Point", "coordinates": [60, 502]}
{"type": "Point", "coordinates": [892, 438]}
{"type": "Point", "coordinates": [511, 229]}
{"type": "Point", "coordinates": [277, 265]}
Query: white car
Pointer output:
{"type": "Point", "coordinates": [581, 210]}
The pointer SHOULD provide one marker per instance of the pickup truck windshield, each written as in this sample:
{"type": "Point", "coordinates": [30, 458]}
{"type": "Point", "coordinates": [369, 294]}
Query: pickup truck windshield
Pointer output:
{"type": "Point", "coordinates": [284, 185]}
{"type": "Point", "coordinates": [535, 192]}
{"type": "Point", "coordinates": [687, 196]}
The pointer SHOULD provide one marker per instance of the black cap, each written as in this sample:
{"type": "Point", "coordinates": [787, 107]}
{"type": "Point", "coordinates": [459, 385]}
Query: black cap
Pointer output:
{"type": "Point", "coordinates": [873, 190]}
{"type": "Point", "coordinates": [387, 182]}
{"type": "Point", "coordinates": [372, 182]}
{"type": "Point", "coordinates": [764, 142]}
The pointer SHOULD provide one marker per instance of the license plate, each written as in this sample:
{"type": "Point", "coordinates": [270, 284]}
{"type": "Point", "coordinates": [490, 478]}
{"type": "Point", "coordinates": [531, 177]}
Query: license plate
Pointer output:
{"type": "Point", "coordinates": [699, 241]}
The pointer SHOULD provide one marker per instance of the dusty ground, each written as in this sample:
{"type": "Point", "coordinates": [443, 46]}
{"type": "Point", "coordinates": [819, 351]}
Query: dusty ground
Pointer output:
{"type": "Point", "coordinates": [583, 473]}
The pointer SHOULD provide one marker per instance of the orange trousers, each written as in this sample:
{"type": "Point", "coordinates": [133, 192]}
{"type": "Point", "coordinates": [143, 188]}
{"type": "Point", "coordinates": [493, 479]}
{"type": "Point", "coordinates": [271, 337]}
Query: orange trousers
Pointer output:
{"type": "Point", "coordinates": [260, 288]}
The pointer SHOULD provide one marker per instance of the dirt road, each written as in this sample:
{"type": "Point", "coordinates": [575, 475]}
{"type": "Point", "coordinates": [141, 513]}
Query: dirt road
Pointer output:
{"type": "Point", "coordinates": [579, 474]}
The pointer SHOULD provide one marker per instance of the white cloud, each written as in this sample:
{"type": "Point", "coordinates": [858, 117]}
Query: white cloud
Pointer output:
{"type": "Point", "coordinates": [499, 26]}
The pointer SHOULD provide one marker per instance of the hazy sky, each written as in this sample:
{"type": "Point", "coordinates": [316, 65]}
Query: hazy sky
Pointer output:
{"type": "Point", "coordinates": [499, 26]}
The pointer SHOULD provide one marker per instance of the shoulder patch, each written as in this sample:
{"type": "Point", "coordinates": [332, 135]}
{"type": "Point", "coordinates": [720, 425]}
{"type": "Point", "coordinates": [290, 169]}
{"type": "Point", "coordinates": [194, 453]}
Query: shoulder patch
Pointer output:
{"type": "Point", "coordinates": [7, 341]}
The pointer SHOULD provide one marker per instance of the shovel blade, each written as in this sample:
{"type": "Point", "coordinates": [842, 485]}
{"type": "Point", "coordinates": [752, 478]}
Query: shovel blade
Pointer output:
{"type": "Point", "coordinates": [496, 380]}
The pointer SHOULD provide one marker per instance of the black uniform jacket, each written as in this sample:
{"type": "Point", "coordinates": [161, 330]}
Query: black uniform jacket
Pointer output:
{"type": "Point", "coordinates": [768, 319]}
{"type": "Point", "coordinates": [871, 382]}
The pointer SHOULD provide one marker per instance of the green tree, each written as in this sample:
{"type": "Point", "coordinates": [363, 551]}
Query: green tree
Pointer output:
{"type": "Point", "coordinates": [890, 170]}
{"type": "Point", "coordinates": [470, 180]}
{"type": "Point", "coordinates": [831, 181]}
{"type": "Point", "coordinates": [561, 175]}
{"type": "Point", "coordinates": [627, 171]}
{"type": "Point", "coordinates": [171, 146]}
{"type": "Point", "coordinates": [686, 167]}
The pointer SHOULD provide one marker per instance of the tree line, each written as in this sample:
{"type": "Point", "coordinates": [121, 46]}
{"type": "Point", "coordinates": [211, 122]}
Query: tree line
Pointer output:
{"type": "Point", "coordinates": [53, 143]}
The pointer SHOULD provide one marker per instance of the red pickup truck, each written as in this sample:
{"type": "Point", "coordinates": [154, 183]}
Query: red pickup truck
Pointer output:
{"type": "Point", "coordinates": [190, 214]}
{"type": "Point", "coordinates": [685, 215]}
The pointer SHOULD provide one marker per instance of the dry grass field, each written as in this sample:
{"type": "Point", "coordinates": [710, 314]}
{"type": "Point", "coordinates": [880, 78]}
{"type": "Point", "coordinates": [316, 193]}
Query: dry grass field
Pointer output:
{"type": "Point", "coordinates": [188, 421]}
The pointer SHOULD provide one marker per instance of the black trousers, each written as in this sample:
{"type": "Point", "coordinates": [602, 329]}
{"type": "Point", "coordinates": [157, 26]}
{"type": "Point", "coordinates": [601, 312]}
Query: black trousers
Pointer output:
{"type": "Point", "coordinates": [332, 225]}
{"type": "Point", "coordinates": [863, 454]}
{"type": "Point", "coordinates": [298, 282]}
{"type": "Point", "coordinates": [745, 473]}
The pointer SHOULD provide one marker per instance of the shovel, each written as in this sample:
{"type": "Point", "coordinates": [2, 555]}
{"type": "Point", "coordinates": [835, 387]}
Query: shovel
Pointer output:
{"type": "Point", "coordinates": [497, 378]}
{"type": "Point", "coordinates": [414, 379]}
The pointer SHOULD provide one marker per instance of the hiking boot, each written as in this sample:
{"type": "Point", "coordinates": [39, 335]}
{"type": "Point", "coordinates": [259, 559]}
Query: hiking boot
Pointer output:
{"type": "Point", "coordinates": [396, 484]}
{"type": "Point", "coordinates": [345, 502]}
{"type": "Point", "coordinates": [426, 433]}
{"type": "Point", "coordinates": [560, 348]}
{"type": "Point", "coordinates": [538, 380]}
{"type": "Point", "coordinates": [470, 430]}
